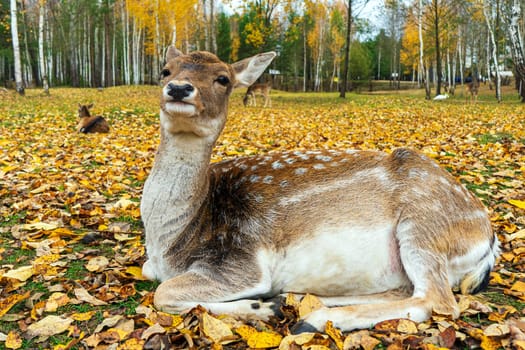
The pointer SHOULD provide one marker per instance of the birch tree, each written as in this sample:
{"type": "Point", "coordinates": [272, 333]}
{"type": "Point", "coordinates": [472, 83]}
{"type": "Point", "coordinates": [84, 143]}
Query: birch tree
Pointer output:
{"type": "Point", "coordinates": [16, 49]}
{"type": "Point", "coordinates": [494, 56]}
{"type": "Point", "coordinates": [422, 67]}
{"type": "Point", "coordinates": [516, 45]}
{"type": "Point", "coordinates": [41, 55]}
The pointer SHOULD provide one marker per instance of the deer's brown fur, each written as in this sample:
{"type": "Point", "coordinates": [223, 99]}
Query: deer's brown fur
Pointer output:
{"type": "Point", "coordinates": [262, 89]}
{"type": "Point", "coordinates": [90, 124]}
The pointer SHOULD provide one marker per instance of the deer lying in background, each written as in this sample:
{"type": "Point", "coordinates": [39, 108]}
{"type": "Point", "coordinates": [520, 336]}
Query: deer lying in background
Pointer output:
{"type": "Point", "coordinates": [376, 236]}
{"type": "Point", "coordinates": [471, 91]}
{"type": "Point", "coordinates": [258, 89]}
{"type": "Point", "coordinates": [89, 123]}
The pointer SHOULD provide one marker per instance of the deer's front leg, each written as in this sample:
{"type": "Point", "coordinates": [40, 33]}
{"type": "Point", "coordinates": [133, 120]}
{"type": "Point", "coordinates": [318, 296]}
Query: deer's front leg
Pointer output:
{"type": "Point", "coordinates": [181, 293]}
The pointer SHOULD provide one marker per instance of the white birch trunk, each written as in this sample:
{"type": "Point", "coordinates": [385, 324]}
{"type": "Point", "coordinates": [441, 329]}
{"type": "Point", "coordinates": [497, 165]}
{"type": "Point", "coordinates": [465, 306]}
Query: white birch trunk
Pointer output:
{"type": "Point", "coordinates": [41, 55]}
{"type": "Point", "coordinates": [494, 54]}
{"type": "Point", "coordinates": [460, 55]}
{"type": "Point", "coordinates": [516, 44]}
{"type": "Point", "coordinates": [424, 73]}
{"type": "Point", "coordinates": [125, 44]}
{"type": "Point", "coordinates": [489, 71]}
{"type": "Point", "coordinates": [16, 49]}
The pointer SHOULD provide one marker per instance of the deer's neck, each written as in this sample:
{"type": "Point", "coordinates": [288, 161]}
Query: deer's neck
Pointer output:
{"type": "Point", "coordinates": [176, 187]}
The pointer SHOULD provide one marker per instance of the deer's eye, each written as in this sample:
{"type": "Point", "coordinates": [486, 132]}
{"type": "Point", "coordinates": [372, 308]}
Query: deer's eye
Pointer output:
{"type": "Point", "coordinates": [223, 80]}
{"type": "Point", "coordinates": [164, 73]}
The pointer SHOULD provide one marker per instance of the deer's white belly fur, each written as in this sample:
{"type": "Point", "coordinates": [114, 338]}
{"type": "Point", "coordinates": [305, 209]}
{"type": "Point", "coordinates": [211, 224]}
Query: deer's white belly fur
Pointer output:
{"type": "Point", "coordinates": [366, 263]}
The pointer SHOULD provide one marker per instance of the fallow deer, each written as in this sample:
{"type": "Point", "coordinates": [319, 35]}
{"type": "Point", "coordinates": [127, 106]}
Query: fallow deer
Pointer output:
{"type": "Point", "coordinates": [89, 123]}
{"type": "Point", "coordinates": [376, 236]}
{"type": "Point", "coordinates": [471, 91]}
{"type": "Point", "coordinates": [258, 89]}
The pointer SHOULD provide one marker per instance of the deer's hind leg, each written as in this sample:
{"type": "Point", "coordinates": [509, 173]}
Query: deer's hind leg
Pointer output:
{"type": "Point", "coordinates": [431, 292]}
{"type": "Point", "coordinates": [184, 292]}
{"type": "Point", "coordinates": [426, 270]}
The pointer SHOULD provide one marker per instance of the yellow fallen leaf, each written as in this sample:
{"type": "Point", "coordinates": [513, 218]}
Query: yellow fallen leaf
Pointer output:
{"type": "Point", "coordinates": [519, 286]}
{"type": "Point", "coordinates": [519, 344]}
{"type": "Point", "coordinates": [135, 272]}
{"type": "Point", "coordinates": [490, 343]}
{"type": "Point", "coordinates": [97, 264]}
{"type": "Point", "coordinates": [155, 329]}
{"type": "Point", "coordinates": [264, 340]}
{"type": "Point", "coordinates": [7, 303]}
{"type": "Point", "coordinates": [298, 339]}
{"type": "Point", "coordinates": [245, 331]}
{"type": "Point", "coordinates": [359, 339]}
{"type": "Point", "coordinates": [22, 273]}
{"type": "Point", "coordinates": [318, 347]}
{"type": "Point", "coordinates": [517, 235]}
{"type": "Point", "coordinates": [291, 300]}
{"type": "Point", "coordinates": [48, 326]}
{"type": "Point", "coordinates": [407, 326]}
{"type": "Point", "coordinates": [256, 339]}
{"type": "Point", "coordinates": [335, 334]}
{"type": "Point", "coordinates": [496, 330]}
{"type": "Point", "coordinates": [109, 322]}
{"type": "Point", "coordinates": [132, 344]}
{"type": "Point", "coordinates": [39, 226]}
{"type": "Point", "coordinates": [83, 295]}
{"type": "Point", "coordinates": [309, 304]}
{"type": "Point", "coordinates": [83, 316]}
{"type": "Point", "coordinates": [215, 329]}
{"type": "Point", "coordinates": [13, 340]}
{"type": "Point", "coordinates": [55, 301]}
{"type": "Point", "coordinates": [517, 203]}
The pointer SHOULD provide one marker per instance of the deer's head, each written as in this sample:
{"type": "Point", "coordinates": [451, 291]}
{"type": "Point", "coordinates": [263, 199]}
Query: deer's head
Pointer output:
{"type": "Point", "coordinates": [196, 88]}
{"type": "Point", "coordinates": [83, 110]}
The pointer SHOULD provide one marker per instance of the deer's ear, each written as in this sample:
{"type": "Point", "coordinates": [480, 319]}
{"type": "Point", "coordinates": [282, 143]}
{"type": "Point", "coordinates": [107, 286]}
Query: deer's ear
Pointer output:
{"type": "Point", "coordinates": [171, 53]}
{"type": "Point", "coordinates": [248, 70]}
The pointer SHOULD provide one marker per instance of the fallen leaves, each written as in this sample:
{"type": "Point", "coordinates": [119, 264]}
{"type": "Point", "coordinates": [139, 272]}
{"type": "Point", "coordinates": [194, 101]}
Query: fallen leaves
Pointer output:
{"type": "Point", "coordinates": [71, 237]}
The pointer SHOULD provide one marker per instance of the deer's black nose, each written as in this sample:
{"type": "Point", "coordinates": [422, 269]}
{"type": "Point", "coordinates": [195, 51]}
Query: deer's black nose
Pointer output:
{"type": "Point", "coordinates": [179, 92]}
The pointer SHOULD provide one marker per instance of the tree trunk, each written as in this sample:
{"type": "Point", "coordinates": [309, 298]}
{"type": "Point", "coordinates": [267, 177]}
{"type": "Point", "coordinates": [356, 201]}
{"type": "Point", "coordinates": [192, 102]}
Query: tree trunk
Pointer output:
{"type": "Point", "coordinates": [494, 53]}
{"type": "Point", "coordinates": [424, 74]}
{"type": "Point", "coordinates": [41, 58]}
{"type": "Point", "coordinates": [16, 49]}
{"type": "Point", "coordinates": [213, 35]}
{"type": "Point", "coordinates": [438, 47]}
{"type": "Point", "coordinates": [516, 46]}
{"type": "Point", "coordinates": [342, 93]}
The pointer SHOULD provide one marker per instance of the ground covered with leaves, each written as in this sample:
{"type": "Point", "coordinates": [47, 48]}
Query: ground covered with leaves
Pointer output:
{"type": "Point", "coordinates": [71, 239]}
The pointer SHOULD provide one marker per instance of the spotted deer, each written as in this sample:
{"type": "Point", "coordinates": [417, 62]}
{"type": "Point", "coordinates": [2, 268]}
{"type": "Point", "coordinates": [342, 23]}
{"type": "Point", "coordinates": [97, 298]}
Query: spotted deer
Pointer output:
{"type": "Point", "coordinates": [376, 236]}
{"type": "Point", "coordinates": [471, 91]}
{"type": "Point", "coordinates": [89, 123]}
{"type": "Point", "coordinates": [258, 89]}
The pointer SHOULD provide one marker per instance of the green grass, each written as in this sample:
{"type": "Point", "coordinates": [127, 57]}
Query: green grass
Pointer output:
{"type": "Point", "coordinates": [484, 139]}
{"type": "Point", "coordinates": [503, 299]}
{"type": "Point", "coordinates": [76, 270]}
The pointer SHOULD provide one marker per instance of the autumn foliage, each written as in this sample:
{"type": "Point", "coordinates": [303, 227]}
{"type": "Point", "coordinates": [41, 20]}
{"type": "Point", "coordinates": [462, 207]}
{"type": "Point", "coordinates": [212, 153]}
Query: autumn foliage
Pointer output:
{"type": "Point", "coordinates": [71, 239]}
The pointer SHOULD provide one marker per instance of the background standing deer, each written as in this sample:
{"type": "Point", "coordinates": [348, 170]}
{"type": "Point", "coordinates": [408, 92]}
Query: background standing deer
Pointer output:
{"type": "Point", "coordinates": [89, 123]}
{"type": "Point", "coordinates": [262, 89]}
{"type": "Point", "coordinates": [376, 236]}
{"type": "Point", "coordinates": [471, 90]}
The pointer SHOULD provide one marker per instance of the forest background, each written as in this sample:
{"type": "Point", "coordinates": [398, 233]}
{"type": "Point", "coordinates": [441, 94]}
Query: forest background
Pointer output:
{"type": "Point", "coordinates": [438, 43]}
